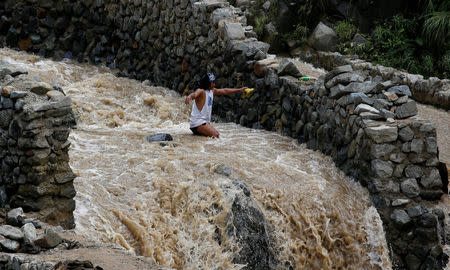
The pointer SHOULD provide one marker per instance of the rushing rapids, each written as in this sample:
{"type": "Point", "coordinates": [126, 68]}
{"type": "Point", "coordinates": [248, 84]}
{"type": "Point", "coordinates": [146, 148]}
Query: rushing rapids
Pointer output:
{"type": "Point", "coordinates": [155, 200]}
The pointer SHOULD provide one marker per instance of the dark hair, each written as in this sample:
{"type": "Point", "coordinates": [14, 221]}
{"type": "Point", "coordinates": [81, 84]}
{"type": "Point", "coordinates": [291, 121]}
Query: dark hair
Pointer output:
{"type": "Point", "coordinates": [205, 81]}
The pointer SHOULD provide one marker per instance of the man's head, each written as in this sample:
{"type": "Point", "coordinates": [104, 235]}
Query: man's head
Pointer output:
{"type": "Point", "coordinates": [207, 81]}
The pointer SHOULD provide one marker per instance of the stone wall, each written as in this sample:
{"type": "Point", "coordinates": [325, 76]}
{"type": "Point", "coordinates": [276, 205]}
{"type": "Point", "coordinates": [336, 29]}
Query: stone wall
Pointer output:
{"type": "Point", "coordinates": [34, 127]}
{"type": "Point", "coordinates": [369, 127]}
{"type": "Point", "coordinates": [168, 42]}
{"type": "Point", "coordinates": [432, 91]}
{"type": "Point", "coordinates": [362, 116]}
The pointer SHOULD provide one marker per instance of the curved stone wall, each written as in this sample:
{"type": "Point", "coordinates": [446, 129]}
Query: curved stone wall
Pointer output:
{"type": "Point", "coordinates": [34, 127]}
{"type": "Point", "coordinates": [432, 91]}
{"type": "Point", "coordinates": [368, 126]}
{"type": "Point", "coordinates": [364, 120]}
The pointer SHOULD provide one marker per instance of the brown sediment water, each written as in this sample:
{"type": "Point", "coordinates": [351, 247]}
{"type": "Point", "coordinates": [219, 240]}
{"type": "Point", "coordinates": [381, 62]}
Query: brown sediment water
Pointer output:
{"type": "Point", "coordinates": [156, 200]}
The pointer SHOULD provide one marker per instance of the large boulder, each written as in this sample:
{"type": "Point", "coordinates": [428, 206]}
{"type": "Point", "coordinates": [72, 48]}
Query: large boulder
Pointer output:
{"type": "Point", "coordinates": [323, 38]}
{"type": "Point", "coordinates": [247, 225]}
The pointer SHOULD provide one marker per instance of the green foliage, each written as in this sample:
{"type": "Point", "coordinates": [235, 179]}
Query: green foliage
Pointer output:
{"type": "Point", "coordinates": [260, 22]}
{"type": "Point", "coordinates": [301, 33]}
{"type": "Point", "coordinates": [345, 30]}
{"type": "Point", "coordinates": [444, 64]}
{"type": "Point", "coordinates": [436, 29]}
{"type": "Point", "coordinates": [427, 64]}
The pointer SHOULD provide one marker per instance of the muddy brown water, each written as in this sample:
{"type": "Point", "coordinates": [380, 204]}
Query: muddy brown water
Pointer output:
{"type": "Point", "coordinates": [153, 200]}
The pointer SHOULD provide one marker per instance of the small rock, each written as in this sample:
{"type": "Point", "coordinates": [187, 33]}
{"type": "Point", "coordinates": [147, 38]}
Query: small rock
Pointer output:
{"type": "Point", "coordinates": [49, 239]}
{"type": "Point", "coordinates": [390, 120]}
{"type": "Point", "coordinates": [159, 137]}
{"type": "Point", "coordinates": [400, 202]}
{"type": "Point", "coordinates": [8, 244]}
{"type": "Point", "coordinates": [223, 170]}
{"type": "Point", "coordinates": [380, 150]}
{"type": "Point", "coordinates": [428, 127]}
{"type": "Point", "coordinates": [400, 217]}
{"type": "Point", "coordinates": [406, 110]}
{"type": "Point", "coordinates": [401, 100]}
{"type": "Point", "coordinates": [17, 94]}
{"type": "Point", "coordinates": [415, 211]}
{"type": "Point", "coordinates": [366, 108]}
{"type": "Point", "coordinates": [413, 171]}
{"type": "Point", "coordinates": [388, 115]}
{"type": "Point", "coordinates": [266, 6]}
{"type": "Point", "coordinates": [406, 134]}
{"type": "Point", "coordinates": [397, 157]}
{"type": "Point", "coordinates": [233, 31]}
{"type": "Point", "coordinates": [40, 88]}
{"type": "Point", "coordinates": [382, 133]}
{"type": "Point", "coordinates": [14, 217]}
{"type": "Point", "coordinates": [410, 188]}
{"type": "Point", "coordinates": [380, 103]}
{"type": "Point", "coordinates": [29, 232]}
{"type": "Point", "coordinates": [381, 168]}
{"type": "Point", "coordinates": [417, 146]}
{"type": "Point", "coordinates": [11, 232]}
{"type": "Point", "coordinates": [400, 90]}
{"type": "Point", "coordinates": [7, 90]}
{"type": "Point", "coordinates": [432, 180]}
{"type": "Point", "coordinates": [358, 39]}
{"type": "Point", "coordinates": [431, 145]}
{"type": "Point", "coordinates": [358, 98]}
{"type": "Point", "coordinates": [54, 93]}
{"type": "Point", "coordinates": [390, 96]}
{"type": "Point", "coordinates": [371, 116]}
{"type": "Point", "coordinates": [289, 67]}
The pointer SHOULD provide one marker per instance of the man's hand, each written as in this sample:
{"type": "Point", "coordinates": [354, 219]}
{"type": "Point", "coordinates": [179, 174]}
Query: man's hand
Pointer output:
{"type": "Point", "coordinates": [242, 90]}
{"type": "Point", "coordinates": [188, 99]}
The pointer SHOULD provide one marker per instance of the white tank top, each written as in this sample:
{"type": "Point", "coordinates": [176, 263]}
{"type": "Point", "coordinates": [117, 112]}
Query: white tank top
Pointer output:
{"type": "Point", "coordinates": [204, 116]}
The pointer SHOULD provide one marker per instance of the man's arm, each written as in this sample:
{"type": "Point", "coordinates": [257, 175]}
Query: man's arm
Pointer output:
{"type": "Point", "coordinates": [193, 96]}
{"type": "Point", "coordinates": [228, 91]}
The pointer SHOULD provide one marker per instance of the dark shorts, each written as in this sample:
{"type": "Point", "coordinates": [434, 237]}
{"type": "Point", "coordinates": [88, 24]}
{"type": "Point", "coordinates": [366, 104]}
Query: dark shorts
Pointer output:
{"type": "Point", "coordinates": [194, 129]}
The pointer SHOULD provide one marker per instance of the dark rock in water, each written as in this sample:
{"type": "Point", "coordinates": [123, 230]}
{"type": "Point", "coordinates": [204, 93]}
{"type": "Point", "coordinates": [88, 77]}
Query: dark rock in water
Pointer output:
{"type": "Point", "coordinates": [249, 229]}
{"type": "Point", "coordinates": [224, 170]}
{"type": "Point", "coordinates": [159, 137]}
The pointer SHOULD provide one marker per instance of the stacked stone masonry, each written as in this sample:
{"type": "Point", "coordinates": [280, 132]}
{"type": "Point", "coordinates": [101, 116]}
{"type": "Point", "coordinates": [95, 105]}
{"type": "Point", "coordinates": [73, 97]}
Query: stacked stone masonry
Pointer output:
{"type": "Point", "coordinates": [362, 116]}
{"type": "Point", "coordinates": [370, 129]}
{"type": "Point", "coordinates": [432, 91]}
{"type": "Point", "coordinates": [34, 128]}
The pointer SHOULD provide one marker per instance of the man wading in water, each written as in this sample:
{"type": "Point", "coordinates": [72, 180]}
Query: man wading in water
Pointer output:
{"type": "Point", "coordinates": [202, 106]}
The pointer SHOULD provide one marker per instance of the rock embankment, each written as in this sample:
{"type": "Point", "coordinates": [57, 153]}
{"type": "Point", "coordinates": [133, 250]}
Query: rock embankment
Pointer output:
{"type": "Point", "coordinates": [432, 91]}
{"type": "Point", "coordinates": [35, 118]}
{"type": "Point", "coordinates": [24, 236]}
{"type": "Point", "coordinates": [370, 127]}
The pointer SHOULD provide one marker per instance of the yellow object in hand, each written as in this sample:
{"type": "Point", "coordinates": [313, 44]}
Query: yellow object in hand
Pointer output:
{"type": "Point", "coordinates": [247, 92]}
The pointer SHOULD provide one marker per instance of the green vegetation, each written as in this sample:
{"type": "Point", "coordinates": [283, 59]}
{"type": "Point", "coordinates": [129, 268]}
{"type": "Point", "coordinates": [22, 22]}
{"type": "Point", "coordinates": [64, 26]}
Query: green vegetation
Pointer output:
{"type": "Point", "coordinates": [401, 43]}
{"type": "Point", "coordinates": [417, 41]}
{"type": "Point", "coordinates": [345, 30]}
